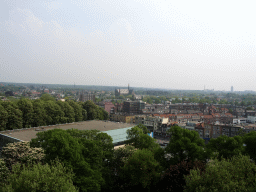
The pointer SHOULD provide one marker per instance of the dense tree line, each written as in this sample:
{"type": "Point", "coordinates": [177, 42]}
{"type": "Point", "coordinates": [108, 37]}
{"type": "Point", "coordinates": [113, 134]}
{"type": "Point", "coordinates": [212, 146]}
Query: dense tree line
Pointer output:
{"type": "Point", "coordinates": [25, 113]}
{"type": "Point", "coordinates": [87, 161]}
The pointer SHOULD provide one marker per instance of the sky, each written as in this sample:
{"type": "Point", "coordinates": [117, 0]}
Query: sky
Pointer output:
{"type": "Point", "coordinates": [146, 43]}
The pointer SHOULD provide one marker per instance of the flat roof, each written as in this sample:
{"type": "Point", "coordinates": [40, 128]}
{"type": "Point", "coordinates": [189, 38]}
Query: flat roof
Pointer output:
{"type": "Point", "coordinates": [28, 134]}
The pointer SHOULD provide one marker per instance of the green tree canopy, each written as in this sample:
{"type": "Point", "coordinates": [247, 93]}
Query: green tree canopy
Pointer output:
{"type": "Point", "coordinates": [69, 113]}
{"type": "Point", "coordinates": [39, 115]}
{"type": "Point", "coordinates": [47, 97]}
{"type": "Point", "coordinates": [14, 115]}
{"type": "Point", "coordinates": [55, 115]}
{"type": "Point", "coordinates": [249, 140]}
{"type": "Point", "coordinates": [138, 137]}
{"type": "Point", "coordinates": [3, 118]}
{"type": "Point", "coordinates": [77, 110]}
{"type": "Point", "coordinates": [82, 155]}
{"type": "Point", "coordinates": [185, 144]}
{"type": "Point", "coordinates": [226, 146]}
{"type": "Point", "coordinates": [235, 174]}
{"type": "Point", "coordinates": [38, 177]}
{"type": "Point", "coordinates": [26, 107]}
{"type": "Point", "coordinates": [141, 169]}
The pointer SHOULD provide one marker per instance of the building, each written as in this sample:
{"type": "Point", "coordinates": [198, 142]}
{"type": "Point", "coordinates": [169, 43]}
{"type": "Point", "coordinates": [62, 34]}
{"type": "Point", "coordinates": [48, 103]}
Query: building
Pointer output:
{"type": "Point", "coordinates": [200, 129]}
{"type": "Point", "coordinates": [153, 123]}
{"type": "Point", "coordinates": [116, 130]}
{"type": "Point", "coordinates": [128, 91]}
{"type": "Point", "coordinates": [232, 89]}
{"type": "Point", "coordinates": [156, 123]}
{"type": "Point", "coordinates": [86, 97]}
{"type": "Point", "coordinates": [124, 118]}
{"type": "Point", "coordinates": [191, 126]}
{"type": "Point", "coordinates": [133, 107]}
{"type": "Point", "coordinates": [140, 119]}
{"type": "Point", "coordinates": [251, 119]}
{"type": "Point", "coordinates": [109, 107]}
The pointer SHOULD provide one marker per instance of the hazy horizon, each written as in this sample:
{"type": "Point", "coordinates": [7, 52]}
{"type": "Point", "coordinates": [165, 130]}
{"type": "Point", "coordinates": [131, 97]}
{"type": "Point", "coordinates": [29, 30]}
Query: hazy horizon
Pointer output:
{"type": "Point", "coordinates": [183, 45]}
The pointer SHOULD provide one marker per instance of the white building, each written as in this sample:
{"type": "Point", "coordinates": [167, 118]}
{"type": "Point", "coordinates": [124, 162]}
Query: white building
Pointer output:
{"type": "Point", "coordinates": [251, 119]}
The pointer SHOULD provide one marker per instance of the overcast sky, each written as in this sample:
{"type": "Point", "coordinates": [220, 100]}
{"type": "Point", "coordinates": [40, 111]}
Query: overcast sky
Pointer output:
{"type": "Point", "coordinates": [147, 43]}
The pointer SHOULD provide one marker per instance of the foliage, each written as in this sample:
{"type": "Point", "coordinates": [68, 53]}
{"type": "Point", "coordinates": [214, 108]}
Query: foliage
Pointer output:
{"type": "Point", "coordinates": [173, 178]}
{"type": "Point", "coordinates": [141, 169]}
{"type": "Point", "coordinates": [24, 113]}
{"type": "Point", "coordinates": [104, 144]}
{"type": "Point", "coordinates": [250, 141]}
{"type": "Point", "coordinates": [3, 118]}
{"type": "Point", "coordinates": [144, 128]}
{"type": "Point", "coordinates": [226, 146]}
{"type": "Point", "coordinates": [4, 172]}
{"type": "Point", "coordinates": [185, 144]}
{"type": "Point", "coordinates": [160, 156]}
{"type": "Point", "coordinates": [77, 110]}
{"type": "Point", "coordinates": [138, 137]}
{"type": "Point", "coordinates": [14, 115]}
{"type": "Point", "coordinates": [120, 156]}
{"type": "Point", "coordinates": [235, 174]}
{"type": "Point", "coordinates": [26, 107]}
{"type": "Point", "coordinates": [84, 156]}
{"type": "Point", "coordinates": [39, 115]}
{"type": "Point", "coordinates": [54, 113]}
{"type": "Point", "coordinates": [94, 111]}
{"type": "Point", "coordinates": [21, 152]}
{"type": "Point", "coordinates": [133, 134]}
{"type": "Point", "coordinates": [69, 113]}
{"type": "Point", "coordinates": [47, 97]}
{"type": "Point", "coordinates": [38, 177]}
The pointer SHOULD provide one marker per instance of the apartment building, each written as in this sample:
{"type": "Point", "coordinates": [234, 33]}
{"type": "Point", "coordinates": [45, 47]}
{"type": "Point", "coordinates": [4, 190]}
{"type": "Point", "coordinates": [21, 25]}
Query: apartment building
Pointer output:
{"type": "Point", "coordinates": [133, 107]}
{"type": "Point", "coordinates": [153, 123]}
{"type": "Point", "coordinates": [200, 129]}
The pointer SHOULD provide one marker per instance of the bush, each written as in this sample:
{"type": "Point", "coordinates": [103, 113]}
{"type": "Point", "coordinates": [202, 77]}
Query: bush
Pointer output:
{"type": "Point", "coordinates": [4, 172]}
{"type": "Point", "coordinates": [21, 152]}
{"type": "Point", "coordinates": [38, 177]}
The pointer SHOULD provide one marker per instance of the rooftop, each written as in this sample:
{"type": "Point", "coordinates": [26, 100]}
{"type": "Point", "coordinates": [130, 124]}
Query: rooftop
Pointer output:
{"type": "Point", "coordinates": [28, 134]}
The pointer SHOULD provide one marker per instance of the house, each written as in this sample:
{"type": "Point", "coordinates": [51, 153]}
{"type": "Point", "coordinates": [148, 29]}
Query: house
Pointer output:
{"type": "Point", "coordinates": [109, 107]}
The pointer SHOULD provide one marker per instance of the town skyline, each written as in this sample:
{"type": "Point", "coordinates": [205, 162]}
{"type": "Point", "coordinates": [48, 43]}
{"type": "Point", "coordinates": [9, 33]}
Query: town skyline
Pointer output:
{"type": "Point", "coordinates": [231, 88]}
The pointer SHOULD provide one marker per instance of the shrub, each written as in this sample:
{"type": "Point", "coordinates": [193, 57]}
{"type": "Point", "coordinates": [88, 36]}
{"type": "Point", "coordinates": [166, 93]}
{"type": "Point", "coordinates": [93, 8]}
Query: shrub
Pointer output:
{"type": "Point", "coordinates": [21, 152]}
{"type": "Point", "coordinates": [4, 172]}
{"type": "Point", "coordinates": [38, 177]}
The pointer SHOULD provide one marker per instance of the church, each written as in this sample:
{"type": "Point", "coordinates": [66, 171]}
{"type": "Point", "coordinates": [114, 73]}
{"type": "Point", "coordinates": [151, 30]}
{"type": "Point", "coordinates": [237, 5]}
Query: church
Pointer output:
{"type": "Point", "coordinates": [128, 91]}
